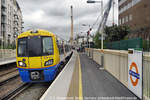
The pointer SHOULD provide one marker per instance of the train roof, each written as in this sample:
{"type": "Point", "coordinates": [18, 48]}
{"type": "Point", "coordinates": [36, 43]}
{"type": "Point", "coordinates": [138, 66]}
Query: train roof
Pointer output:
{"type": "Point", "coordinates": [38, 32]}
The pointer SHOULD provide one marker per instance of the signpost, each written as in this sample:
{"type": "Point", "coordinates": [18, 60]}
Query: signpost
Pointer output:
{"type": "Point", "coordinates": [135, 75]}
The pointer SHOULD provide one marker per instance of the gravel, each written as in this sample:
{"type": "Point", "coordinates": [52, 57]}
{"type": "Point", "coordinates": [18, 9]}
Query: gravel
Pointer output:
{"type": "Point", "coordinates": [34, 92]}
{"type": "Point", "coordinates": [9, 86]}
{"type": "Point", "coordinates": [9, 75]}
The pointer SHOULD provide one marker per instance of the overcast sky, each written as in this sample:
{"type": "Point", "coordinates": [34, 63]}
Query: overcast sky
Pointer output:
{"type": "Point", "coordinates": [54, 15]}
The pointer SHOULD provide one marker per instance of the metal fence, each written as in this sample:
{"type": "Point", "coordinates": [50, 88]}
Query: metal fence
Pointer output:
{"type": "Point", "coordinates": [125, 44]}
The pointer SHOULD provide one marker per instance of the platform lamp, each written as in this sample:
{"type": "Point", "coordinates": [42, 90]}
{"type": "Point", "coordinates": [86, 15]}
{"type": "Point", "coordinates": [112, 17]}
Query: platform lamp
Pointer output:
{"type": "Point", "coordinates": [92, 1]}
{"type": "Point", "coordinates": [102, 41]}
{"type": "Point", "coordinates": [88, 33]}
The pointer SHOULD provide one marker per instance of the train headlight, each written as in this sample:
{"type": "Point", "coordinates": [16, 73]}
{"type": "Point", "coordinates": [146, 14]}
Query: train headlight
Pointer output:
{"type": "Point", "coordinates": [49, 62]}
{"type": "Point", "coordinates": [20, 63]}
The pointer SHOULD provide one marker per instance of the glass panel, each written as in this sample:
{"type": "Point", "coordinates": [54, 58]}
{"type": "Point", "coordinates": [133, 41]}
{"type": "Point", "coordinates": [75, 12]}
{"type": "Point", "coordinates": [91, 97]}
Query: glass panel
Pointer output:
{"type": "Point", "coordinates": [22, 47]}
{"type": "Point", "coordinates": [47, 46]}
{"type": "Point", "coordinates": [34, 46]}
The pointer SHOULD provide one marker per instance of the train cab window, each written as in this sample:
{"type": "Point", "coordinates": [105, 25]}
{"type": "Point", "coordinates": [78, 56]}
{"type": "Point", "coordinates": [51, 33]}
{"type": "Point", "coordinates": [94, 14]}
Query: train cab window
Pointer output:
{"type": "Point", "coordinates": [47, 46]}
{"type": "Point", "coordinates": [34, 46]}
{"type": "Point", "coordinates": [22, 47]}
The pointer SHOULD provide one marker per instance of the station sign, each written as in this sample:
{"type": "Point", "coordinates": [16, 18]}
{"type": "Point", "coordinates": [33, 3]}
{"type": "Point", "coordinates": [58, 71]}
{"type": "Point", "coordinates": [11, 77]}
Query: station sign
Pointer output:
{"type": "Point", "coordinates": [135, 74]}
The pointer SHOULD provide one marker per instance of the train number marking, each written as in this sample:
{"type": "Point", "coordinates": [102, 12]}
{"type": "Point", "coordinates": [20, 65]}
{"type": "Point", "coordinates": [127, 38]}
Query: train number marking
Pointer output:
{"type": "Point", "coordinates": [35, 75]}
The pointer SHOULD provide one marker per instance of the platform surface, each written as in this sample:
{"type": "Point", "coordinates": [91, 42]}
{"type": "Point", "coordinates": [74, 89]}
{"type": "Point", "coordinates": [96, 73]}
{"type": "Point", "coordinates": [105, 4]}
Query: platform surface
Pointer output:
{"type": "Point", "coordinates": [4, 61]}
{"type": "Point", "coordinates": [81, 79]}
{"type": "Point", "coordinates": [99, 84]}
{"type": "Point", "coordinates": [58, 90]}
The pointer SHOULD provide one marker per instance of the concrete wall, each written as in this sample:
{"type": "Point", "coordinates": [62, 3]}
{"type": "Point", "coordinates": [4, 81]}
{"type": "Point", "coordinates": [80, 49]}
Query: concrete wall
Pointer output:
{"type": "Point", "coordinates": [116, 63]}
{"type": "Point", "coordinates": [7, 53]}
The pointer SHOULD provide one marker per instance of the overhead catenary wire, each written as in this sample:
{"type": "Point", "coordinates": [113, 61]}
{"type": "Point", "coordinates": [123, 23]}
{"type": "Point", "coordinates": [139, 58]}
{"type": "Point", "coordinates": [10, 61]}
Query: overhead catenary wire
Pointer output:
{"type": "Point", "coordinates": [96, 21]}
{"type": "Point", "coordinates": [99, 17]}
{"type": "Point", "coordinates": [103, 15]}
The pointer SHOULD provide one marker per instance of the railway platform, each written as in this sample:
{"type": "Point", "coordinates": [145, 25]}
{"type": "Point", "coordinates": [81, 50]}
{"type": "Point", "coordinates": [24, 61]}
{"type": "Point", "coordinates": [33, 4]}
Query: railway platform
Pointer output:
{"type": "Point", "coordinates": [4, 61]}
{"type": "Point", "coordinates": [84, 79]}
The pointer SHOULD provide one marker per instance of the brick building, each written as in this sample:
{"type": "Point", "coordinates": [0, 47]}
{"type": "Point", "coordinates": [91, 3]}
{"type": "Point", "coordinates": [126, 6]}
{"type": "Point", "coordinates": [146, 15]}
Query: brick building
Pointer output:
{"type": "Point", "coordinates": [136, 14]}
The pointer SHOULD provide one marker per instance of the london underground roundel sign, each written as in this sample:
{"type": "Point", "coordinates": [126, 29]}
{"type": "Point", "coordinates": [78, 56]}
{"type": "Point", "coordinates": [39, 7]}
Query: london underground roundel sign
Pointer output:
{"type": "Point", "coordinates": [135, 72]}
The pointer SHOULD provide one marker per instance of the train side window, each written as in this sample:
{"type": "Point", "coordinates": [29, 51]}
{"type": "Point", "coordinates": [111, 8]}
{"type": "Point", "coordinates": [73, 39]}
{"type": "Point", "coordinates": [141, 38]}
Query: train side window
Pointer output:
{"type": "Point", "coordinates": [47, 46]}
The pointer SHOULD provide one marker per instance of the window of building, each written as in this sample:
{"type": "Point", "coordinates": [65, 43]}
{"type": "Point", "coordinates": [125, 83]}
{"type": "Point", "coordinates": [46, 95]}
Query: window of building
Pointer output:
{"type": "Point", "coordinates": [127, 19]}
{"type": "Point", "coordinates": [127, 6]}
{"type": "Point", "coordinates": [122, 20]}
{"type": "Point", "coordinates": [130, 17]}
{"type": "Point", "coordinates": [134, 2]}
{"type": "Point", "coordinates": [145, 6]}
{"type": "Point", "coordinates": [119, 21]}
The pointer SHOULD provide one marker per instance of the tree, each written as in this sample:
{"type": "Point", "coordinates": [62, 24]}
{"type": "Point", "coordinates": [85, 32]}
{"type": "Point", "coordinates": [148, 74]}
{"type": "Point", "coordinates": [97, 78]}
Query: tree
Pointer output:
{"type": "Point", "coordinates": [97, 41]}
{"type": "Point", "coordinates": [113, 33]}
{"type": "Point", "coordinates": [116, 33]}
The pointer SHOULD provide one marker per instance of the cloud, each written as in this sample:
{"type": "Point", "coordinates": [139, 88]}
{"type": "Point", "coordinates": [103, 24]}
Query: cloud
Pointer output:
{"type": "Point", "coordinates": [54, 15]}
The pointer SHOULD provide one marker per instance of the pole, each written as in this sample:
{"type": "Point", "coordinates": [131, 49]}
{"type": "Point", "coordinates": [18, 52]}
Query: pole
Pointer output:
{"type": "Point", "coordinates": [102, 29]}
{"type": "Point", "coordinates": [113, 12]}
{"type": "Point", "coordinates": [102, 44]}
{"type": "Point", "coordinates": [71, 38]}
{"type": "Point", "coordinates": [88, 33]}
{"type": "Point", "coordinates": [102, 41]}
{"type": "Point", "coordinates": [1, 46]}
{"type": "Point", "coordinates": [87, 40]}
{"type": "Point", "coordinates": [64, 49]}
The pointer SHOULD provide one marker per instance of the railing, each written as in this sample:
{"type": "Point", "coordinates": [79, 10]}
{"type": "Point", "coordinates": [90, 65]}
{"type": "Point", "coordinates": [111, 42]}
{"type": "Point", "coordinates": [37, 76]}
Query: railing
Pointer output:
{"type": "Point", "coordinates": [116, 63]}
{"type": "Point", "coordinates": [3, 2]}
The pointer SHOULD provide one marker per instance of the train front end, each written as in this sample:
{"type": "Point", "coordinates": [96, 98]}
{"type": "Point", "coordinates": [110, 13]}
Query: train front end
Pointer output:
{"type": "Point", "coordinates": [37, 56]}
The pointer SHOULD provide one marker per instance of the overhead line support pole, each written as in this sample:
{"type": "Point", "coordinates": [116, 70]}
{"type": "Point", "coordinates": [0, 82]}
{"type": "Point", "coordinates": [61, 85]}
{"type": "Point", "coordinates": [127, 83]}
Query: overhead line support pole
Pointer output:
{"type": "Point", "coordinates": [71, 38]}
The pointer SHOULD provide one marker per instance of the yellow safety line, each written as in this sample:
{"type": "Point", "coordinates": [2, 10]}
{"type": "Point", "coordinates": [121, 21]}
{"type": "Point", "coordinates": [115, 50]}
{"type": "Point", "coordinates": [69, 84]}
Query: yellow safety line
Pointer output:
{"type": "Point", "coordinates": [80, 81]}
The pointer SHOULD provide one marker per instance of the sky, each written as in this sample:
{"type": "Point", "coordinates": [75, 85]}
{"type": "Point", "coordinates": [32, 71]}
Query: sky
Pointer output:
{"type": "Point", "coordinates": [54, 16]}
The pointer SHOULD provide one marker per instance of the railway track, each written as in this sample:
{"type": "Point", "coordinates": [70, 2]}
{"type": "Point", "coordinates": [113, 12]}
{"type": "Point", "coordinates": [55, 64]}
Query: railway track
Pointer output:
{"type": "Point", "coordinates": [12, 87]}
{"type": "Point", "coordinates": [7, 72]}
{"type": "Point", "coordinates": [8, 75]}
{"type": "Point", "coordinates": [10, 95]}
{"type": "Point", "coordinates": [10, 82]}
{"type": "Point", "coordinates": [8, 79]}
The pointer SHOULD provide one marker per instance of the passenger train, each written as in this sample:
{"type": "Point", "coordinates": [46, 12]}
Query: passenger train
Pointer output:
{"type": "Point", "coordinates": [38, 56]}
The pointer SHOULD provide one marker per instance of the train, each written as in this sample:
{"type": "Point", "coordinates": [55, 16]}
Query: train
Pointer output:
{"type": "Point", "coordinates": [38, 55]}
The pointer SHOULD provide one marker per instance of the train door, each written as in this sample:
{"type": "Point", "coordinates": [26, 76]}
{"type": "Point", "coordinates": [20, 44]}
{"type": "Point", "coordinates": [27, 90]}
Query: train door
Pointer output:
{"type": "Point", "coordinates": [35, 52]}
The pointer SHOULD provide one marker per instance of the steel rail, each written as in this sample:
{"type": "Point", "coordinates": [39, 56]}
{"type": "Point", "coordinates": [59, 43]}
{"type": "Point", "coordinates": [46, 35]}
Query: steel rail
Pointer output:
{"type": "Point", "coordinates": [10, 95]}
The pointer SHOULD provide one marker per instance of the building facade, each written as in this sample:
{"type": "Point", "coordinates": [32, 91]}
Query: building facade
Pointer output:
{"type": "Point", "coordinates": [0, 23]}
{"type": "Point", "coordinates": [135, 14]}
{"type": "Point", "coordinates": [11, 21]}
